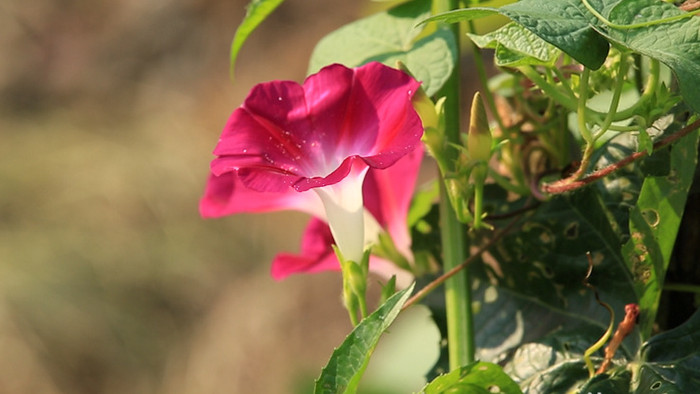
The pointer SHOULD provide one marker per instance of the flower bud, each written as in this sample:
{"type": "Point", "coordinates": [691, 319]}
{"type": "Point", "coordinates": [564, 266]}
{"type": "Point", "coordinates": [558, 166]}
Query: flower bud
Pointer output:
{"type": "Point", "coordinates": [426, 109]}
{"type": "Point", "coordinates": [479, 139]}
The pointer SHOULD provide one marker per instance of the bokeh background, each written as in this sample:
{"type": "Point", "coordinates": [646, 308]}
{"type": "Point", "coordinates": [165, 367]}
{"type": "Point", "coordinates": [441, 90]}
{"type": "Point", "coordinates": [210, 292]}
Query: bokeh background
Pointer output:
{"type": "Point", "coordinates": [110, 282]}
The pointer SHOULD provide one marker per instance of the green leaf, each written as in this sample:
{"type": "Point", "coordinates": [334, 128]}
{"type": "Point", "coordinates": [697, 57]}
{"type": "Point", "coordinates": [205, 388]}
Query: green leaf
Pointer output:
{"type": "Point", "coordinates": [389, 37]}
{"type": "Point", "coordinates": [465, 14]}
{"type": "Point", "coordinates": [422, 202]}
{"type": "Point", "coordinates": [531, 309]}
{"type": "Point", "coordinates": [343, 371]}
{"type": "Point", "coordinates": [256, 12]}
{"type": "Point", "coordinates": [478, 377]}
{"type": "Point", "coordinates": [645, 144]}
{"type": "Point", "coordinates": [672, 359]}
{"type": "Point", "coordinates": [676, 43]}
{"type": "Point", "coordinates": [566, 24]}
{"type": "Point", "coordinates": [516, 46]}
{"type": "Point", "coordinates": [668, 363]}
{"type": "Point", "coordinates": [618, 381]}
{"type": "Point", "coordinates": [675, 345]}
{"type": "Point", "coordinates": [653, 223]}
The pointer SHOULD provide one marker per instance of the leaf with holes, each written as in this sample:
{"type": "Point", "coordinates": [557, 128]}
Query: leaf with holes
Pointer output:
{"type": "Point", "coordinates": [668, 363]}
{"type": "Point", "coordinates": [347, 364]}
{"type": "Point", "coordinates": [672, 358]}
{"type": "Point", "coordinates": [532, 313]}
{"type": "Point", "coordinates": [389, 37]}
{"type": "Point", "coordinates": [654, 222]}
{"type": "Point", "coordinates": [529, 300]}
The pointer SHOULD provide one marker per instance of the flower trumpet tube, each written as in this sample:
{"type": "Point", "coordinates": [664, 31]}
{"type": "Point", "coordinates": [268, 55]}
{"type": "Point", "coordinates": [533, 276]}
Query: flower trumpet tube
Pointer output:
{"type": "Point", "coordinates": [387, 196]}
{"type": "Point", "coordinates": [310, 147]}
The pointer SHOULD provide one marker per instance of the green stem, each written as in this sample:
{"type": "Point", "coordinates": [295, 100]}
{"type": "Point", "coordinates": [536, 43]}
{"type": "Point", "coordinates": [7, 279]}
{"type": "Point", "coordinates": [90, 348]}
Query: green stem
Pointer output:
{"type": "Point", "coordinates": [649, 91]}
{"type": "Point", "coordinates": [615, 101]}
{"type": "Point", "coordinates": [506, 183]}
{"type": "Point", "coordinates": [569, 100]}
{"type": "Point", "coordinates": [581, 107]}
{"type": "Point", "coordinates": [564, 81]}
{"type": "Point", "coordinates": [600, 342]}
{"type": "Point", "coordinates": [479, 178]}
{"type": "Point", "coordinates": [460, 333]}
{"type": "Point", "coordinates": [682, 287]}
{"type": "Point", "coordinates": [583, 127]}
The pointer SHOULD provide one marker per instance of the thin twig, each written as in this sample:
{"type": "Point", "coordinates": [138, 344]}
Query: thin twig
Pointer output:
{"type": "Point", "coordinates": [566, 185]}
{"type": "Point", "coordinates": [442, 278]}
{"type": "Point", "coordinates": [623, 329]}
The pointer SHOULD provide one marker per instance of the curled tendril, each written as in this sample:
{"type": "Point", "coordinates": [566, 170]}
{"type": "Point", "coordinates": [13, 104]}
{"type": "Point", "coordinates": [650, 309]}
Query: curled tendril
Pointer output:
{"type": "Point", "coordinates": [599, 344]}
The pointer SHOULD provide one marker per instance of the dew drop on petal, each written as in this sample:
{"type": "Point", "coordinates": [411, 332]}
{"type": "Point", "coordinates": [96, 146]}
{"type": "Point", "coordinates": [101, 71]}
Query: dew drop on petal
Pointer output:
{"type": "Point", "coordinates": [279, 98]}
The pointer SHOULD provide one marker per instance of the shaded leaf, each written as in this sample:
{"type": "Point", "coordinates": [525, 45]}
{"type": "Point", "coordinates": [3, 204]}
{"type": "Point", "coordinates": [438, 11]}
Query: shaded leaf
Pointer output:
{"type": "Point", "coordinates": [389, 37]}
{"type": "Point", "coordinates": [617, 382]}
{"type": "Point", "coordinates": [673, 356]}
{"type": "Point", "coordinates": [348, 362]}
{"type": "Point", "coordinates": [256, 12]}
{"type": "Point", "coordinates": [531, 309]}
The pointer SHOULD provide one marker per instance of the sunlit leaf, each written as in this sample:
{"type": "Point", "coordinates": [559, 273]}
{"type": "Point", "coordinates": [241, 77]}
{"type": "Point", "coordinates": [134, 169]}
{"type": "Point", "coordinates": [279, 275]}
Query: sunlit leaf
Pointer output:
{"type": "Point", "coordinates": [517, 46]}
{"type": "Point", "coordinates": [347, 364]}
{"type": "Point", "coordinates": [478, 377]}
{"type": "Point", "coordinates": [461, 15]}
{"type": "Point", "coordinates": [256, 12]}
{"type": "Point", "coordinates": [654, 222]}
{"type": "Point", "coordinates": [389, 37]}
{"type": "Point", "coordinates": [565, 24]}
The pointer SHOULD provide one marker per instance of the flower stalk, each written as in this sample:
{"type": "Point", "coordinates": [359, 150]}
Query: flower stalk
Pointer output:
{"type": "Point", "coordinates": [460, 333]}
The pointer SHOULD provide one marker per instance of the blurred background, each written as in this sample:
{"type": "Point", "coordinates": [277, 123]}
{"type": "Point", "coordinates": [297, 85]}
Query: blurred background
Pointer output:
{"type": "Point", "coordinates": [110, 282]}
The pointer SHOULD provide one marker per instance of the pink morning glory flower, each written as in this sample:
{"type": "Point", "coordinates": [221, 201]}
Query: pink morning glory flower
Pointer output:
{"type": "Point", "coordinates": [387, 197]}
{"type": "Point", "coordinates": [309, 147]}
